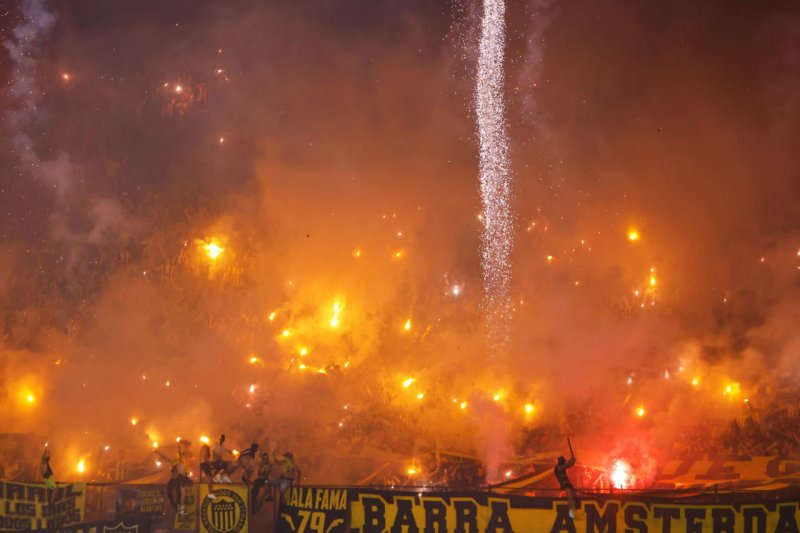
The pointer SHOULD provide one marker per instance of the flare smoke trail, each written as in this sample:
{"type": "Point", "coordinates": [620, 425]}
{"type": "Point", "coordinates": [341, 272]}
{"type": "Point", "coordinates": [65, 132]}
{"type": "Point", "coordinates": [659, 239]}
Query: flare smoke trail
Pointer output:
{"type": "Point", "coordinates": [495, 176]}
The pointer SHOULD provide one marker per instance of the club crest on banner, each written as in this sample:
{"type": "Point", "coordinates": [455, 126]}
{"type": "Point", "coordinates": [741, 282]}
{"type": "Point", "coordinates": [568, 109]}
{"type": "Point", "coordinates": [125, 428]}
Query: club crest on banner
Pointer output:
{"type": "Point", "coordinates": [227, 513]}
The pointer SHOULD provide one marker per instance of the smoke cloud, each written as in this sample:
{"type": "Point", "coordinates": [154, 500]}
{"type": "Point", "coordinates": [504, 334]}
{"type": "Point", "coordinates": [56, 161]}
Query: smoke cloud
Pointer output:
{"type": "Point", "coordinates": [261, 219]}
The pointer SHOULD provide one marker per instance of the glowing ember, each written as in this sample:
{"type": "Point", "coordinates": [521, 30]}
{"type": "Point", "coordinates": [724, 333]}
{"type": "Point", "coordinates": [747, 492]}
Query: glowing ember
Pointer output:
{"type": "Point", "coordinates": [81, 466]}
{"type": "Point", "coordinates": [204, 439]}
{"type": "Point", "coordinates": [633, 235]}
{"type": "Point", "coordinates": [408, 382]}
{"type": "Point", "coordinates": [640, 411]}
{"type": "Point", "coordinates": [529, 408]}
{"type": "Point", "coordinates": [407, 325]}
{"type": "Point", "coordinates": [134, 421]}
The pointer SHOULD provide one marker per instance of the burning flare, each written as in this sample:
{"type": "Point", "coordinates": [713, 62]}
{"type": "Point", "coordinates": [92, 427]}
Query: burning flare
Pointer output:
{"type": "Point", "coordinates": [621, 477]}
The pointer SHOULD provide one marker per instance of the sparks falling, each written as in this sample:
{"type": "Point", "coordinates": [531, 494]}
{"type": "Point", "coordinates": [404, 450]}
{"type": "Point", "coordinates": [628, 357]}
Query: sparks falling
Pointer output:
{"type": "Point", "coordinates": [495, 174]}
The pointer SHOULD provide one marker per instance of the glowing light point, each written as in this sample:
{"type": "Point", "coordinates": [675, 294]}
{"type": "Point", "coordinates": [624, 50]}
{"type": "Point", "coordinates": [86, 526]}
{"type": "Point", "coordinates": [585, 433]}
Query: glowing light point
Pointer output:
{"type": "Point", "coordinates": [285, 333]}
{"type": "Point", "coordinates": [357, 253]}
{"type": "Point", "coordinates": [303, 351]}
{"type": "Point", "coordinates": [81, 466]}
{"type": "Point", "coordinates": [462, 405]}
{"type": "Point", "coordinates": [420, 396]}
{"type": "Point", "coordinates": [633, 235]}
{"type": "Point", "coordinates": [253, 360]}
{"type": "Point", "coordinates": [732, 389]}
{"type": "Point", "coordinates": [155, 444]}
{"type": "Point", "coordinates": [30, 398]}
{"type": "Point", "coordinates": [529, 408]}
{"type": "Point", "coordinates": [411, 471]}
{"type": "Point", "coordinates": [272, 316]}
{"type": "Point", "coordinates": [204, 439]}
{"type": "Point", "coordinates": [134, 421]}
{"type": "Point", "coordinates": [407, 325]}
{"type": "Point", "coordinates": [408, 382]}
{"type": "Point", "coordinates": [640, 411]}
{"type": "Point", "coordinates": [695, 381]}
{"type": "Point", "coordinates": [213, 250]}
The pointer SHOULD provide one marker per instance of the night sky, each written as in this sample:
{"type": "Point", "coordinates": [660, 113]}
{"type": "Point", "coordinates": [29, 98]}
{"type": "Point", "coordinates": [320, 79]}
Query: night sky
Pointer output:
{"type": "Point", "coordinates": [329, 148]}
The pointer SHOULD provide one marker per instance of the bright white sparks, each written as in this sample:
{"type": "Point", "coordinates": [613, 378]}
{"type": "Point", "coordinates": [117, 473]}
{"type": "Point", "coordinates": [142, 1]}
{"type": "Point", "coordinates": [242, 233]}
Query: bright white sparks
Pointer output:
{"type": "Point", "coordinates": [495, 174]}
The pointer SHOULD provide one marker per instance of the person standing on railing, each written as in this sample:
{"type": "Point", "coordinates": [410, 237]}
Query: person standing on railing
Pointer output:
{"type": "Point", "coordinates": [47, 474]}
{"type": "Point", "coordinates": [247, 461]}
{"type": "Point", "coordinates": [262, 480]}
{"type": "Point", "coordinates": [176, 488]}
{"type": "Point", "coordinates": [289, 474]}
{"type": "Point", "coordinates": [560, 472]}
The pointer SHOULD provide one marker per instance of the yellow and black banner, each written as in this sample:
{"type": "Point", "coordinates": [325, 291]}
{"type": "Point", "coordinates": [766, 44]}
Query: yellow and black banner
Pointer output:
{"type": "Point", "coordinates": [225, 512]}
{"type": "Point", "coordinates": [305, 509]}
{"type": "Point", "coordinates": [385, 512]}
{"type": "Point", "coordinates": [32, 506]}
{"type": "Point", "coordinates": [187, 521]}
